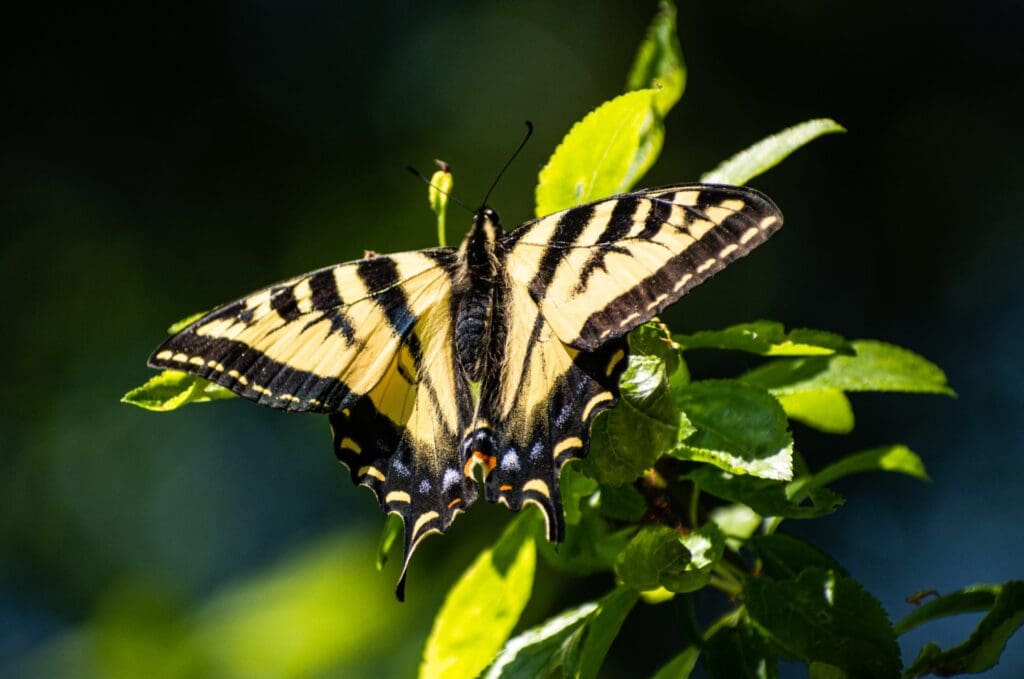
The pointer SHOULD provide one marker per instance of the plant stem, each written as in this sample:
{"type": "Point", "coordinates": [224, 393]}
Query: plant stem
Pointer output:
{"type": "Point", "coordinates": [730, 619]}
{"type": "Point", "coordinates": [694, 507]}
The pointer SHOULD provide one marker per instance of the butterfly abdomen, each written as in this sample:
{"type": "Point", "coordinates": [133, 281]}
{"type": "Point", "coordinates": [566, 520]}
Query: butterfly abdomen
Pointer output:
{"type": "Point", "coordinates": [476, 307]}
{"type": "Point", "coordinates": [471, 330]}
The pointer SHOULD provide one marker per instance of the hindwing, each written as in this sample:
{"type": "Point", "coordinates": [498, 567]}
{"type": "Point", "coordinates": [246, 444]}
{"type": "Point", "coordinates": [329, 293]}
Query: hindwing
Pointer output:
{"type": "Point", "coordinates": [537, 405]}
{"type": "Point", "coordinates": [371, 344]}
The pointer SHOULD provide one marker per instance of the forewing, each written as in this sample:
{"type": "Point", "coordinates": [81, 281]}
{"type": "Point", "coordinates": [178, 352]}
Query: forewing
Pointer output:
{"type": "Point", "coordinates": [599, 270]}
{"type": "Point", "coordinates": [316, 342]}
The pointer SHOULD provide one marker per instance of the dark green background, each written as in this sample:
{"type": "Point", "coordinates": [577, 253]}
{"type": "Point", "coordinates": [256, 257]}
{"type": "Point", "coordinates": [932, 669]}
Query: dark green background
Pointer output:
{"type": "Point", "coordinates": [158, 162]}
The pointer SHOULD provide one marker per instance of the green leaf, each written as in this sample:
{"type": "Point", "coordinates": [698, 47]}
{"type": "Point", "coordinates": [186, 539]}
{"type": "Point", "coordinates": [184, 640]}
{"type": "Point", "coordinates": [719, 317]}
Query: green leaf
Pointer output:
{"type": "Point", "coordinates": [604, 154]}
{"type": "Point", "coordinates": [574, 642]}
{"type": "Point", "coordinates": [172, 389]}
{"type": "Point", "coordinates": [679, 667]}
{"type": "Point", "coordinates": [765, 496]}
{"type": "Point", "coordinates": [484, 606]}
{"type": "Point", "coordinates": [175, 328]}
{"type": "Point", "coordinates": [629, 438]}
{"type": "Point", "coordinates": [660, 557]}
{"type": "Point", "coordinates": [737, 522]}
{"type": "Point", "coordinates": [590, 546]}
{"type": "Point", "coordinates": [982, 649]}
{"type": "Point", "coordinates": [655, 553]}
{"type": "Point", "coordinates": [971, 599]}
{"type": "Point", "coordinates": [785, 556]}
{"type": "Point", "coordinates": [623, 503]}
{"type": "Point", "coordinates": [824, 616]}
{"type": "Point", "coordinates": [769, 152]}
{"type": "Point", "coordinates": [655, 339]}
{"type": "Point", "coordinates": [604, 627]}
{"type": "Point", "coordinates": [659, 61]}
{"type": "Point", "coordinates": [876, 367]}
{"type": "Point", "coordinates": [895, 458]}
{"type": "Point", "coordinates": [739, 427]}
{"type": "Point", "coordinates": [393, 528]}
{"type": "Point", "coordinates": [767, 338]}
{"type": "Point", "coordinates": [706, 547]}
{"type": "Point", "coordinates": [739, 653]}
{"type": "Point", "coordinates": [820, 670]}
{"type": "Point", "coordinates": [826, 410]}
{"type": "Point", "coordinates": [574, 486]}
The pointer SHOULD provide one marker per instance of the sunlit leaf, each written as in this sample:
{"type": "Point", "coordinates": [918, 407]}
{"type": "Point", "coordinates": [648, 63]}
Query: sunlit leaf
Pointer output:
{"type": "Point", "coordinates": [982, 649]}
{"type": "Point", "coordinates": [736, 521]}
{"type": "Point", "coordinates": [659, 60]}
{"type": "Point", "coordinates": [895, 458]}
{"type": "Point", "coordinates": [175, 328]}
{"type": "Point", "coordinates": [604, 154]}
{"type": "Point", "coordinates": [738, 427]}
{"type": "Point", "coordinates": [483, 607]}
{"type": "Point", "coordinates": [172, 389]}
{"type": "Point", "coordinates": [767, 338]}
{"type": "Point", "coordinates": [826, 410]}
{"type": "Point", "coordinates": [767, 497]}
{"type": "Point", "coordinates": [824, 616]}
{"type": "Point", "coordinates": [574, 642]}
{"type": "Point", "coordinates": [876, 367]}
{"type": "Point", "coordinates": [769, 152]}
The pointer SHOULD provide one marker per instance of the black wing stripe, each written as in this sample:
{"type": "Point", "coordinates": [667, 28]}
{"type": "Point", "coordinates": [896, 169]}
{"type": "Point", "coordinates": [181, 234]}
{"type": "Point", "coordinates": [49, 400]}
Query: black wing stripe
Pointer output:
{"type": "Point", "coordinates": [618, 227]}
{"type": "Point", "coordinates": [734, 237]}
{"type": "Point", "coordinates": [254, 375]}
{"type": "Point", "coordinates": [569, 228]}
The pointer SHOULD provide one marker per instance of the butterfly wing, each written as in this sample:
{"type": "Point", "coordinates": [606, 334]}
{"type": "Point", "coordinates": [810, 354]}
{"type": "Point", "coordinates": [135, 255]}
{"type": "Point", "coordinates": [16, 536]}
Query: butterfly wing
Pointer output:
{"type": "Point", "coordinates": [575, 283]}
{"type": "Point", "coordinates": [371, 344]}
{"type": "Point", "coordinates": [536, 408]}
{"type": "Point", "coordinates": [599, 270]}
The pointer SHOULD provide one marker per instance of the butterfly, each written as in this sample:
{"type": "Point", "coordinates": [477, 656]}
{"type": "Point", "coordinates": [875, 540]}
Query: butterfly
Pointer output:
{"type": "Point", "coordinates": [446, 370]}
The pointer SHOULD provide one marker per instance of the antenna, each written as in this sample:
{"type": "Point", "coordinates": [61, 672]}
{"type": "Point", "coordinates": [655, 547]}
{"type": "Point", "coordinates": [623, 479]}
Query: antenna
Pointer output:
{"type": "Point", "coordinates": [529, 131]}
{"type": "Point", "coordinates": [416, 173]}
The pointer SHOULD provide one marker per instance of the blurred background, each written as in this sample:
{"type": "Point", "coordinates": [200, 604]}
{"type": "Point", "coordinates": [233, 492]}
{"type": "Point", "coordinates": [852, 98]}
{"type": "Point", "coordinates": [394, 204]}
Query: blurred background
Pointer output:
{"type": "Point", "coordinates": [160, 160]}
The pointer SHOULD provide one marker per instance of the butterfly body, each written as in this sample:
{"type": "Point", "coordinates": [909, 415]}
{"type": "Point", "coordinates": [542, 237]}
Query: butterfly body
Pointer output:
{"type": "Point", "coordinates": [437, 367]}
{"type": "Point", "coordinates": [480, 276]}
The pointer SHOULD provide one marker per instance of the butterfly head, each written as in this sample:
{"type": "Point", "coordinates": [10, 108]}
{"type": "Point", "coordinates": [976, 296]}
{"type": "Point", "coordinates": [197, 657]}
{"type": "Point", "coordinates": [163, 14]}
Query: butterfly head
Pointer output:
{"type": "Point", "coordinates": [486, 227]}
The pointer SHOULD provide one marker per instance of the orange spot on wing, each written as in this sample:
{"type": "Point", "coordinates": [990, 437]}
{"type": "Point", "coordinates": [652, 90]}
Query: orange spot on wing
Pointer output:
{"type": "Point", "coordinates": [454, 502]}
{"type": "Point", "coordinates": [489, 461]}
{"type": "Point", "coordinates": [505, 487]}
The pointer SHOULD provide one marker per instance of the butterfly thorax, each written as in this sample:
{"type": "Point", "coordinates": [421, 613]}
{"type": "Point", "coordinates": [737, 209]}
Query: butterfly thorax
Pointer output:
{"type": "Point", "coordinates": [478, 277]}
